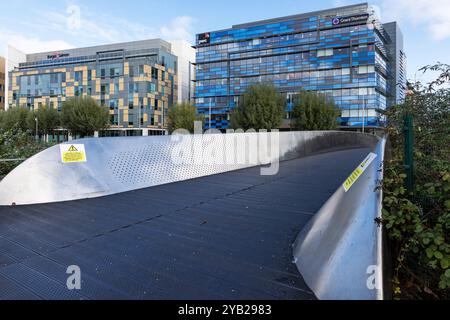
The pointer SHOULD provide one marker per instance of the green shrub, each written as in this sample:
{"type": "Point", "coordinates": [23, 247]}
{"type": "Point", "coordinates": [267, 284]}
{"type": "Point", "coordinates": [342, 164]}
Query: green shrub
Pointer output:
{"type": "Point", "coordinates": [418, 222]}
{"type": "Point", "coordinates": [17, 144]}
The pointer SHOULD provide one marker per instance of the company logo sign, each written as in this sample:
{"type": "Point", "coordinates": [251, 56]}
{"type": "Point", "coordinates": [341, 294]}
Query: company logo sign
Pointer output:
{"type": "Point", "coordinates": [204, 38]}
{"type": "Point", "coordinates": [57, 55]}
{"type": "Point", "coordinates": [347, 20]}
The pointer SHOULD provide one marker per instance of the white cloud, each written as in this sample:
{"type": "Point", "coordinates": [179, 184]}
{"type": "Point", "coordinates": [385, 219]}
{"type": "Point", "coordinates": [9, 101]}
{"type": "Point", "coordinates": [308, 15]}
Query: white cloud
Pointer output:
{"type": "Point", "coordinates": [434, 14]}
{"type": "Point", "coordinates": [87, 28]}
{"type": "Point", "coordinates": [180, 28]}
{"type": "Point", "coordinates": [92, 29]}
{"type": "Point", "coordinates": [30, 44]}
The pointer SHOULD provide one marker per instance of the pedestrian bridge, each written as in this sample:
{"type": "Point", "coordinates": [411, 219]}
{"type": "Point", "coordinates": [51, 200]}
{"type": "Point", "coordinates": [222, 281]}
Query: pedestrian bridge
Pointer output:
{"type": "Point", "coordinates": [142, 227]}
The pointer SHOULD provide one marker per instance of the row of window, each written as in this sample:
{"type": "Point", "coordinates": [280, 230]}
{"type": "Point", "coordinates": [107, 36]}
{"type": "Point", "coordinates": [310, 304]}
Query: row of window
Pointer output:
{"type": "Point", "coordinates": [298, 25]}
{"type": "Point", "coordinates": [305, 75]}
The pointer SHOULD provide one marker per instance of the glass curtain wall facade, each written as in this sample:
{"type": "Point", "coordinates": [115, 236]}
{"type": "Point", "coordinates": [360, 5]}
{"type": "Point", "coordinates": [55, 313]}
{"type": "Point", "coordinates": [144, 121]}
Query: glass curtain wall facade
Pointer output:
{"type": "Point", "coordinates": [137, 81]}
{"type": "Point", "coordinates": [2, 83]}
{"type": "Point", "coordinates": [341, 52]}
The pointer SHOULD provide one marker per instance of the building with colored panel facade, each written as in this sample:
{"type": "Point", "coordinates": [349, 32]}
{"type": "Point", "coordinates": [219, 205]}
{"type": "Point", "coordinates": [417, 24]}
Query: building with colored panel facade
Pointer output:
{"type": "Point", "coordinates": [343, 52]}
{"type": "Point", "coordinates": [2, 83]}
{"type": "Point", "coordinates": [137, 81]}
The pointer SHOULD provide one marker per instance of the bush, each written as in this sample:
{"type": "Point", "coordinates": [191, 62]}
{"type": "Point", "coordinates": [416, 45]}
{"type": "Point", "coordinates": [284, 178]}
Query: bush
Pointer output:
{"type": "Point", "coordinates": [418, 221]}
{"type": "Point", "coordinates": [48, 120]}
{"type": "Point", "coordinates": [17, 144]}
{"type": "Point", "coordinates": [260, 107]}
{"type": "Point", "coordinates": [314, 111]}
{"type": "Point", "coordinates": [183, 116]}
{"type": "Point", "coordinates": [14, 118]}
{"type": "Point", "coordinates": [84, 116]}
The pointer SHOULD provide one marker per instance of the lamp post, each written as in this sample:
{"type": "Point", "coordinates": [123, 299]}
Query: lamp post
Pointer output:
{"type": "Point", "coordinates": [364, 115]}
{"type": "Point", "coordinates": [210, 105]}
{"type": "Point", "coordinates": [37, 127]}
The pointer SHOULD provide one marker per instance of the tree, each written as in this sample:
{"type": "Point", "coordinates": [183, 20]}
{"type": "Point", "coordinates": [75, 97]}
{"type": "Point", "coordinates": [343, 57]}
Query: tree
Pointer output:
{"type": "Point", "coordinates": [83, 116]}
{"type": "Point", "coordinates": [14, 119]}
{"type": "Point", "coordinates": [48, 120]}
{"type": "Point", "coordinates": [183, 116]}
{"type": "Point", "coordinates": [260, 107]}
{"type": "Point", "coordinates": [314, 111]}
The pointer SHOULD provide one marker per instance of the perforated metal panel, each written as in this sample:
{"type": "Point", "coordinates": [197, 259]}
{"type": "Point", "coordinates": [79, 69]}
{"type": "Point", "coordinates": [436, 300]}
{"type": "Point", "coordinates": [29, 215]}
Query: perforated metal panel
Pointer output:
{"type": "Point", "coordinates": [128, 163]}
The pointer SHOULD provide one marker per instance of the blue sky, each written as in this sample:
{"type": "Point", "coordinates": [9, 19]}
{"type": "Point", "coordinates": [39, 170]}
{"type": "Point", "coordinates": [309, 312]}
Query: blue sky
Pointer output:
{"type": "Point", "coordinates": [44, 25]}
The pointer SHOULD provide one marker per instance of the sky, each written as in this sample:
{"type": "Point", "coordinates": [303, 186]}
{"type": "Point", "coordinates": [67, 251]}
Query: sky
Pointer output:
{"type": "Point", "coordinates": [43, 25]}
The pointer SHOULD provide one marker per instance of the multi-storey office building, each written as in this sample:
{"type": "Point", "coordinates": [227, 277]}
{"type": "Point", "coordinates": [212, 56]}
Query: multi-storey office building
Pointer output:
{"type": "Point", "coordinates": [2, 83]}
{"type": "Point", "coordinates": [343, 52]}
{"type": "Point", "coordinates": [137, 81]}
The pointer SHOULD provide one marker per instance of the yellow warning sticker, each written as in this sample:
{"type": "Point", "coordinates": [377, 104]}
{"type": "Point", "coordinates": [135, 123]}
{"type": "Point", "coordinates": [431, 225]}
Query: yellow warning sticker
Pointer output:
{"type": "Point", "coordinates": [72, 153]}
{"type": "Point", "coordinates": [359, 171]}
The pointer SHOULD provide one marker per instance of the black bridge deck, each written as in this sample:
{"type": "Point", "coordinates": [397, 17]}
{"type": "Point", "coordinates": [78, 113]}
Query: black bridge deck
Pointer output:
{"type": "Point", "coordinates": [227, 236]}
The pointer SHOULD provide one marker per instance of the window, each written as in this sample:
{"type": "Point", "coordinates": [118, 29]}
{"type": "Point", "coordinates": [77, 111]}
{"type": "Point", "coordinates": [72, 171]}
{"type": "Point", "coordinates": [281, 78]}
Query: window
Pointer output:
{"type": "Point", "coordinates": [89, 75]}
{"type": "Point", "coordinates": [362, 91]}
{"type": "Point", "coordinates": [141, 70]}
{"type": "Point", "coordinates": [54, 78]}
{"type": "Point", "coordinates": [103, 73]}
{"type": "Point", "coordinates": [362, 69]}
{"type": "Point", "coordinates": [78, 76]}
{"type": "Point", "coordinates": [324, 53]}
{"type": "Point", "coordinates": [104, 89]}
{"type": "Point", "coordinates": [155, 73]}
{"type": "Point", "coordinates": [130, 103]}
{"type": "Point", "coordinates": [151, 87]}
{"type": "Point", "coordinates": [345, 71]}
{"type": "Point", "coordinates": [133, 88]}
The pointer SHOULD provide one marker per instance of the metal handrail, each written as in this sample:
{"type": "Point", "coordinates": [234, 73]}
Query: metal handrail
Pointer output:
{"type": "Point", "coordinates": [12, 160]}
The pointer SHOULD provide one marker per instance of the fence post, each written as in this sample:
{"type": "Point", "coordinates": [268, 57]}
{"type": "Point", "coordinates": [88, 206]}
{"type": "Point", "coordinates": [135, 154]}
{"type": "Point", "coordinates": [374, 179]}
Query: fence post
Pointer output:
{"type": "Point", "coordinates": [409, 151]}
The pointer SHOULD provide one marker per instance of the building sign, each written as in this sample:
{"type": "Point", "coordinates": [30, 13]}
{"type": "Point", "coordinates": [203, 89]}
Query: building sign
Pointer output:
{"type": "Point", "coordinates": [57, 56]}
{"type": "Point", "coordinates": [338, 21]}
{"type": "Point", "coordinates": [71, 153]}
{"type": "Point", "coordinates": [204, 38]}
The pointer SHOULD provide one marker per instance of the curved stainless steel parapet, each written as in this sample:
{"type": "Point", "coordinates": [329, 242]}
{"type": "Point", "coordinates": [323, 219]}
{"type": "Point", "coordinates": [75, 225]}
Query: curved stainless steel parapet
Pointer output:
{"type": "Point", "coordinates": [117, 165]}
{"type": "Point", "coordinates": [339, 252]}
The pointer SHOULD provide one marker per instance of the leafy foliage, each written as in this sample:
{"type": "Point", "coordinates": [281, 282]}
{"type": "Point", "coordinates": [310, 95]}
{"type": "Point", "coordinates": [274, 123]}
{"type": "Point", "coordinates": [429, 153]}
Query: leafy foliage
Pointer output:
{"type": "Point", "coordinates": [418, 222]}
{"type": "Point", "coordinates": [48, 120]}
{"type": "Point", "coordinates": [14, 119]}
{"type": "Point", "coordinates": [183, 116]}
{"type": "Point", "coordinates": [17, 144]}
{"type": "Point", "coordinates": [83, 116]}
{"type": "Point", "coordinates": [314, 111]}
{"type": "Point", "coordinates": [260, 107]}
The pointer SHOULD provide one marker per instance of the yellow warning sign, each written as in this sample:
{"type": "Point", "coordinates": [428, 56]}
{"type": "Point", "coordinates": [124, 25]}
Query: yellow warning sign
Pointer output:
{"type": "Point", "coordinates": [359, 171]}
{"type": "Point", "coordinates": [72, 153]}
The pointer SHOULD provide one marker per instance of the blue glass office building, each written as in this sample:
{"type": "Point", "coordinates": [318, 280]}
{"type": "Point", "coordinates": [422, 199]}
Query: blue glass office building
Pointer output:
{"type": "Point", "coordinates": [343, 52]}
